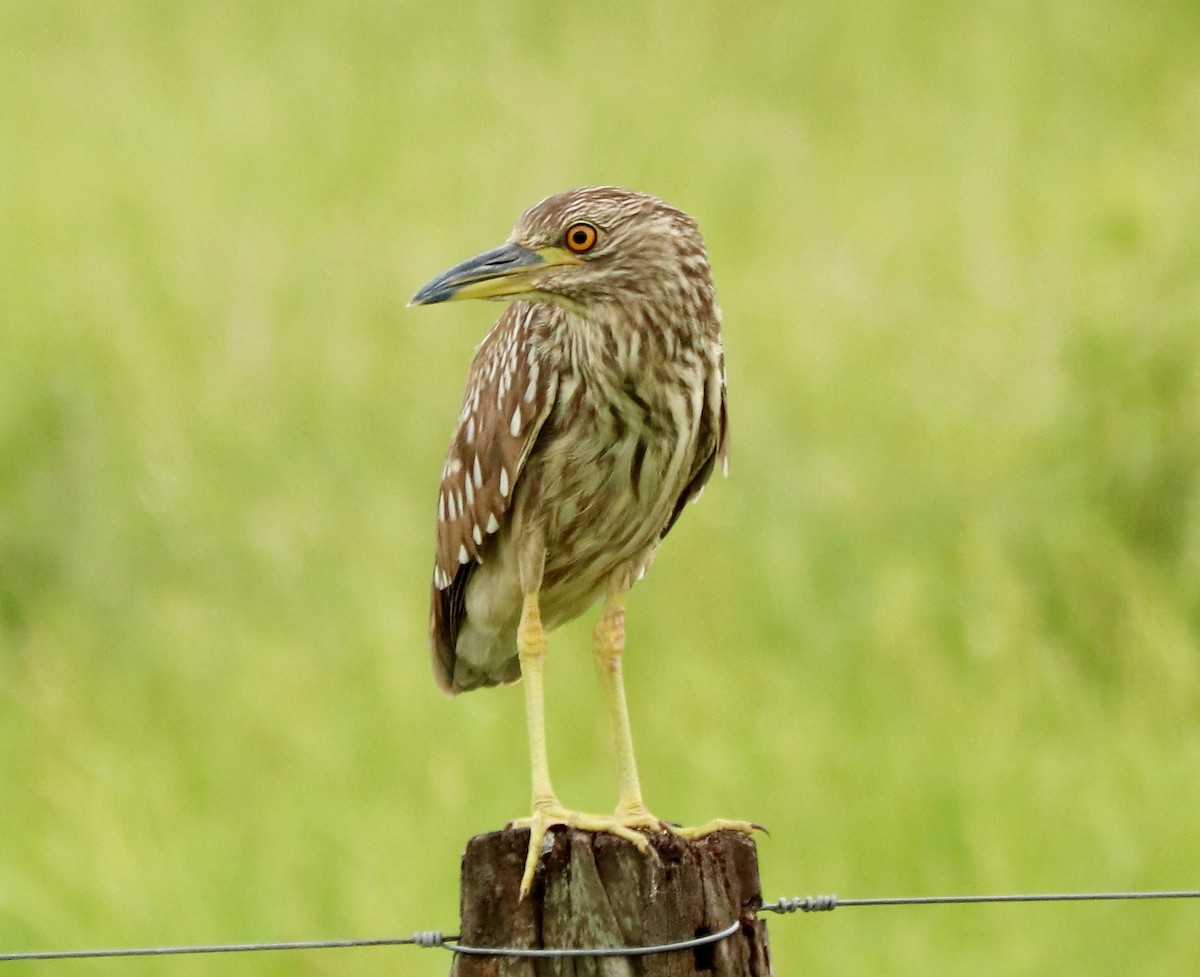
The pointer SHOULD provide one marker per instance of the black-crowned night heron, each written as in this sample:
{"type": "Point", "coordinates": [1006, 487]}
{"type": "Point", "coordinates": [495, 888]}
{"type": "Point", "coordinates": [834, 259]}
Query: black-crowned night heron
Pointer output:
{"type": "Point", "coordinates": [594, 412]}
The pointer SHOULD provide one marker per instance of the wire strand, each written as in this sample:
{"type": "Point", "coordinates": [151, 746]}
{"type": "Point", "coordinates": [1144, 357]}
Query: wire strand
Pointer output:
{"type": "Point", "coordinates": [819, 904]}
{"type": "Point", "coordinates": [616, 951]}
{"type": "Point", "coordinates": [426, 938]}
{"type": "Point", "coordinates": [432, 938]}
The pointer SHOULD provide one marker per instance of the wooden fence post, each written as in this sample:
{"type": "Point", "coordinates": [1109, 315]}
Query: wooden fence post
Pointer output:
{"type": "Point", "coordinates": [597, 890]}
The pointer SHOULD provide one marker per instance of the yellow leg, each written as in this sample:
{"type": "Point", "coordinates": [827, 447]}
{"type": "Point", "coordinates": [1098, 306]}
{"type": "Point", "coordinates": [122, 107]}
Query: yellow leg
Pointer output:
{"type": "Point", "coordinates": [531, 649]}
{"type": "Point", "coordinates": [548, 811]}
{"type": "Point", "coordinates": [608, 646]}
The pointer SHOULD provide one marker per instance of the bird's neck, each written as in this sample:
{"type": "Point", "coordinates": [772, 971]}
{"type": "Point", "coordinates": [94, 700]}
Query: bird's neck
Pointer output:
{"type": "Point", "coordinates": [627, 339]}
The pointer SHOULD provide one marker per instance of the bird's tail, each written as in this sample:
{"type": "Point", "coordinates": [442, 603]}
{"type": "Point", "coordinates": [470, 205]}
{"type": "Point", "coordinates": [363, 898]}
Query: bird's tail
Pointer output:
{"type": "Point", "coordinates": [464, 656]}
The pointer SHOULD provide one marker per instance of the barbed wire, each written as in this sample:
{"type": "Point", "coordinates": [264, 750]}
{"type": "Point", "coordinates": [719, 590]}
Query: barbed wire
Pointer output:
{"type": "Point", "coordinates": [434, 938]}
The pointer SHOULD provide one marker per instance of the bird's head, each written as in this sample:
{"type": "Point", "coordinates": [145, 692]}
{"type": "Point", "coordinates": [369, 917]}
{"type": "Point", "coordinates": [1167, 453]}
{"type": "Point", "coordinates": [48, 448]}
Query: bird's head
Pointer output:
{"type": "Point", "coordinates": [590, 249]}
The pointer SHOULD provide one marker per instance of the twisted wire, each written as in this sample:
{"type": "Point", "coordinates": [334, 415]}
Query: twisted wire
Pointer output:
{"type": "Point", "coordinates": [827, 903]}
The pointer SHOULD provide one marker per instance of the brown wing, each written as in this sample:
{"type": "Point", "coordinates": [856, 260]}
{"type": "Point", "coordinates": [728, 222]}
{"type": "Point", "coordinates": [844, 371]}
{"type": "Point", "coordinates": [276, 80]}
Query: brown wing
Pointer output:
{"type": "Point", "coordinates": [712, 442]}
{"type": "Point", "coordinates": [509, 393]}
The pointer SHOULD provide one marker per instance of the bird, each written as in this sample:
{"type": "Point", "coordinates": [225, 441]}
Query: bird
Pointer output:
{"type": "Point", "coordinates": [594, 412]}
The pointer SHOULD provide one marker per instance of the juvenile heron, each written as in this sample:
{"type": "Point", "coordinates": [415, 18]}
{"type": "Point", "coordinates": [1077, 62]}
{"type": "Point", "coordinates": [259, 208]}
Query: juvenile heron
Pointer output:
{"type": "Point", "coordinates": [594, 411]}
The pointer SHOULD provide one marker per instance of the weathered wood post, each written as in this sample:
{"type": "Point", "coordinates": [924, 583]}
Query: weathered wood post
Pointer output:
{"type": "Point", "coordinates": [597, 890]}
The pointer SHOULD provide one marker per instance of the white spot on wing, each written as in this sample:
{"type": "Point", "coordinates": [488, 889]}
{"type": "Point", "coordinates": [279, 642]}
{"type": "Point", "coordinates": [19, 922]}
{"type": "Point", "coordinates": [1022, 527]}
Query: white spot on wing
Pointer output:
{"type": "Point", "coordinates": [441, 506]}
{"type": "Point", "coordinates": [470, 486]}
{"type": "Point", "coordinates": [504, 483]}
{"type": "Point", "coordinates": [492, 525]}
{"type": "Point", "coordinates": [478, 473]}
{"type": "Point", "coordinates": [515, 427]}
{"type": "Point", "coordinates": [463, 555]}
{"type": "Point", "coordinates": [477, 535]}
{"type": "Point", "coordinates": [531, 389]}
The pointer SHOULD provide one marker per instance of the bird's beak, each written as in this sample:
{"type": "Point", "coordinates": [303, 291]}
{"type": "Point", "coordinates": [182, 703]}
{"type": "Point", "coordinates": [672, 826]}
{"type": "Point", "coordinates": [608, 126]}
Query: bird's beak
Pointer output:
{"type": "Point", "coordinates": [503, 272]}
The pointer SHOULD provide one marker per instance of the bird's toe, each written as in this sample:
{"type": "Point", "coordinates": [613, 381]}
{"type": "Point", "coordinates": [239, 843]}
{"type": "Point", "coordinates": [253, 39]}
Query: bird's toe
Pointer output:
{"type": "Point", "coordinates": [715, 825]}
{"type": "Point", "coordinates": [628, 825]}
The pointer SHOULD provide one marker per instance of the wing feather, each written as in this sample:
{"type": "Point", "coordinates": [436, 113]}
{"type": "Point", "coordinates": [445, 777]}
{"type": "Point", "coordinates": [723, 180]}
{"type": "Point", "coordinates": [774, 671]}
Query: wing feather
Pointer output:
{"type": "Point", "coordinates": [712, 441]}
{"type": "Point", "coordinates": [508, 397]}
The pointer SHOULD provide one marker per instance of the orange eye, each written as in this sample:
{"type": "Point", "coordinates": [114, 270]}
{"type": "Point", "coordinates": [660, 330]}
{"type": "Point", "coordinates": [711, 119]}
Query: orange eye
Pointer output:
{"type": "Point", "coordinates": [581, 237]}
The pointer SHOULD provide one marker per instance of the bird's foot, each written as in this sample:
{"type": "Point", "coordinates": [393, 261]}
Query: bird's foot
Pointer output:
{"type": "Point", "coordinates": [717, 824]}
{"type": "Point", "coordinates": [551, 814]}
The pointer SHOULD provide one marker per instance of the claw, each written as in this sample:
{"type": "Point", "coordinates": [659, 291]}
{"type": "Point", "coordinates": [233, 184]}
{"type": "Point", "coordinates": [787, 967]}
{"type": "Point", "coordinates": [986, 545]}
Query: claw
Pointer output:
{"type": "Point", "coordinates": [630, 824]}
{"type": "Point", "coordinates": [547, 816]}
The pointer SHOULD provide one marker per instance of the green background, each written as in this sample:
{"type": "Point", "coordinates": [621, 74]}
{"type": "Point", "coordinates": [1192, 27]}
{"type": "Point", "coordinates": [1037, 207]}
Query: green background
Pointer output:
{"type": "Point", "coordinates": [940, 630]}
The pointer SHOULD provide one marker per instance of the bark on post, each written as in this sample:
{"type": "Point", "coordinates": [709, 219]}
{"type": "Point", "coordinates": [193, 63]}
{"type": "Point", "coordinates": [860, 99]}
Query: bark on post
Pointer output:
{"type": "Point", "coordinates": [596, 890]}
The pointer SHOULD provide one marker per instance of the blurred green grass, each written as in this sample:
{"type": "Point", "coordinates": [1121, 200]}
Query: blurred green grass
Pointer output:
{"type": "Point", "coordinates": [940, 631]}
